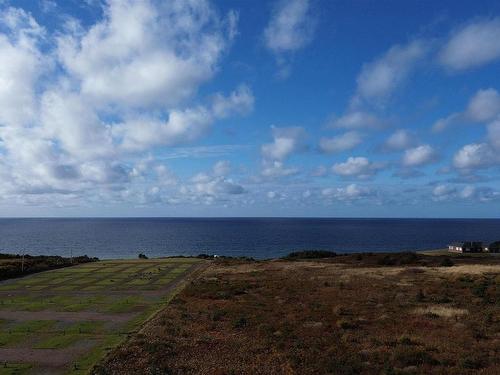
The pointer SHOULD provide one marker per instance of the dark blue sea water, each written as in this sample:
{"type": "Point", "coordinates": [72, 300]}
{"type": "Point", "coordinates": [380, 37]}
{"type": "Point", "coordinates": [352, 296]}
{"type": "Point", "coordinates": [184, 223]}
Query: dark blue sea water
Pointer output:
{"type": "Point", "coordinates": [254, 237]}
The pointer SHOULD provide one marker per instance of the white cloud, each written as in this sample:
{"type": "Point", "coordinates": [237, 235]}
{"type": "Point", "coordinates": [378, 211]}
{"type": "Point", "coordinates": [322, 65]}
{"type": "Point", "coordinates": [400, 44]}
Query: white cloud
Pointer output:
{"type": "Point", "coordinates": [291, 26]}
{"type": "Point", "coordinates": [286, 141]}
{"type": "Point", "coordinates": [240, 101]}
{"type": "Point", "coordinates": [143, 55]}
{"type": "Point", "coordinates": [182, 126]}
{"type": "Point", "coordinates": [349, 193]}
{"type": "Point", "coordinates": [472, 45]}
{"type": "Point", "coordinates": [483, 106]}
{"type": "Point", "coordinates": [221, 168]}
{"type": "Point", "coordinates": [79, 131]}
{"type": "Point", "coordinates": [290, 29]}
{"type": "Point", "coordinates": [212, 186]}
{"type": "Point", "coordinates": [277, 169]}
{"type": "Point", "coordinates": [446, 122]}
{"type": "Point", "coordinates": [399, 140]}
{"type": "Point", "coordinates": [77, 109]}
{"type": "Point", "coordinates": [444, 192]}
{"type": "Point", "coordinates": [379, 79]}
{"type": "Point", "coordinates": [474, 156]}
{"type": "Point", "coordinates": [359, 167]}
{"type": "Point", "coordinates": [21, 64]}
{"type": "Point", "coordinates": [344, 142]}
{"type": "Point", "coordinates": [272, 195]}
{"type": "Point", "coordinates": [494, 133]}
{"type": "Point", "coordinates": [418, 156]}
{"type": "Point", "coordinates": [357, 120]}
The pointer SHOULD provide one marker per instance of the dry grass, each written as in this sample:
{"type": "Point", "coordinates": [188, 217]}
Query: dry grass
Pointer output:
{"type": "Point", "coordinates": [471, 269]}
{"type": "Point", "coordinates": [341, 316]}
{"type": "Point", "coordinates": [442, 311]}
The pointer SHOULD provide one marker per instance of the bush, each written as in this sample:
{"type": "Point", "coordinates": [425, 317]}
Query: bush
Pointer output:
{"type": "Point", "coordinates": [347, 324]}
{"type": "Point", "coordinates": [420, 297]}
{"type": "Point", "coordinates": [240, 323]}
{"type": "Point", "coordinates": [408, 356]}
{"type": "Point", "coordinates": [473, 363]}
{"type": "Point", "coordinates": [11, 265]}
{"type": "Point", "coordinates": [142, 256]}
{"type": "Point", "coordinates": [386, 261]}
{"type": "Point", "coordinates": [311, 254]}
{"type": "Point", "coordinates": [446, 262]}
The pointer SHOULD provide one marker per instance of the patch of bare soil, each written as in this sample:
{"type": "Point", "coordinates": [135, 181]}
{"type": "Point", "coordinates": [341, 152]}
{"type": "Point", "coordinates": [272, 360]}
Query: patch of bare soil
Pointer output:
{"type": "Point", "coordinates": [45, 357]}
{"type": "Point", "coordinates": [352, 315]}
{"type": "Point", "coordinates": [65, 316]}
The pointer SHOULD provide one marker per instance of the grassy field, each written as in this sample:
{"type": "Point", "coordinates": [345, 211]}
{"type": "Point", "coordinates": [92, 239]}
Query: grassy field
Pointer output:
{"type": "Point", "coordinates": [356, 314]}
{"type": "Point", "coordinates": [65, 320]}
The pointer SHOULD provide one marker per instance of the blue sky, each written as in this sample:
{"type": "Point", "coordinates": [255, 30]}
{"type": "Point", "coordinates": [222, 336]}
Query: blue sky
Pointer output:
{"type": "Point", "coordinates": [242, 108]}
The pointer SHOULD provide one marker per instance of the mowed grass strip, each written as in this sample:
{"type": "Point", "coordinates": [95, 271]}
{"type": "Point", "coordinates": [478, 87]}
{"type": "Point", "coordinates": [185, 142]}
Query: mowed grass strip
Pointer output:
{"type": "Point", "coordinates": [70, 335]}
{"type": "Point", "coordinates": [8, 339]}
{"type": "Point", "coordinates": [15, 368]}
{"type": "Point", "coordinates": [58, 341]}
{"type": "Point", "coordinates": [32, 326]}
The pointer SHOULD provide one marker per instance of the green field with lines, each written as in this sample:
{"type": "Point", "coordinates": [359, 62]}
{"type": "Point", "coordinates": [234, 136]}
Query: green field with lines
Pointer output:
{"type": "Point", "coordinates": [65, 320]}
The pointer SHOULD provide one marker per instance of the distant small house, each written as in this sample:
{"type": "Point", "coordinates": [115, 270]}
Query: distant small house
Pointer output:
{"type": "Point", "coordinates": [466, 247]}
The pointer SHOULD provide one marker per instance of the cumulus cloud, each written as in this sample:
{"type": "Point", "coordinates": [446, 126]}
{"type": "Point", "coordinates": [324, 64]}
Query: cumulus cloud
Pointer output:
{"type": "Point", "coordinates": [381, 77]}
{"type": "Point", "coordinates": [474, 156]}
{"type": "Point", "coordinates": [277, 169]}
{"type": "Point", "coordinates": [399, 140]}
{"type": "Point", "coordinates": [349, 193]}
{"type": "Point", "coordinates": [443, 192]}
{"type": "Point", "coordinates": [344, 142]}
{"type": "Point", "coordinates": [419, 156]}
{"type": "Point", "coordinates": [359, 167]}
{"type": "Point", "coordinates": [182, 126]}
{"type": "Point", "coordinates": [285, 142]}
{"type": "Point", "coordinates": [443, 123]}
{"type": "Point", "coordinates": [144, 55]}
{"type": "Point", "coordinates": [212, 186]}
{"type": "Point", "coordinates": [357, 119]}
{"type": "Point", "coordinates": [482, 107]}
{"type": "Point", "coordinates": [290, 28]}
{"type": "Point", "coordinates": [21, 64]}
{"type": "Point", "coordinates": [472, 45]}
{"type": "Point", "coordinates": [79, 106]}
{"type": "Point", "coordinates": [221, 168]}
{"type": "Point", "coordinates": [494, 134]}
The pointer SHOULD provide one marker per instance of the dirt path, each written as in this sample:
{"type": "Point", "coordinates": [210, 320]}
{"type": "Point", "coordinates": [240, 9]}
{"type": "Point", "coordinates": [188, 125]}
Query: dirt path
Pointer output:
{"type": "Point", "coordinates": [45, 357]}
{"type": "Point", "coordinates": [65, 316]}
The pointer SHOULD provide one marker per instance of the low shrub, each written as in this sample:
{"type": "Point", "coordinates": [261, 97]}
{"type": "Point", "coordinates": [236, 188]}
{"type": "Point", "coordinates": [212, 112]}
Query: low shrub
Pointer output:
{"type": "Point", "coordinates": [410, 356]}
{"type": "Point", "coordinates": [311, 254]}
{"type": "Point", "coordinates": [240, 323]}
{"type": "Point", "coordinates": [446, 262]}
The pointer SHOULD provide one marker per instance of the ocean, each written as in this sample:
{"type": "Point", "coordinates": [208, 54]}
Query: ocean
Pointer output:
{"type": "Point", "coordinates": [253, 237]}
